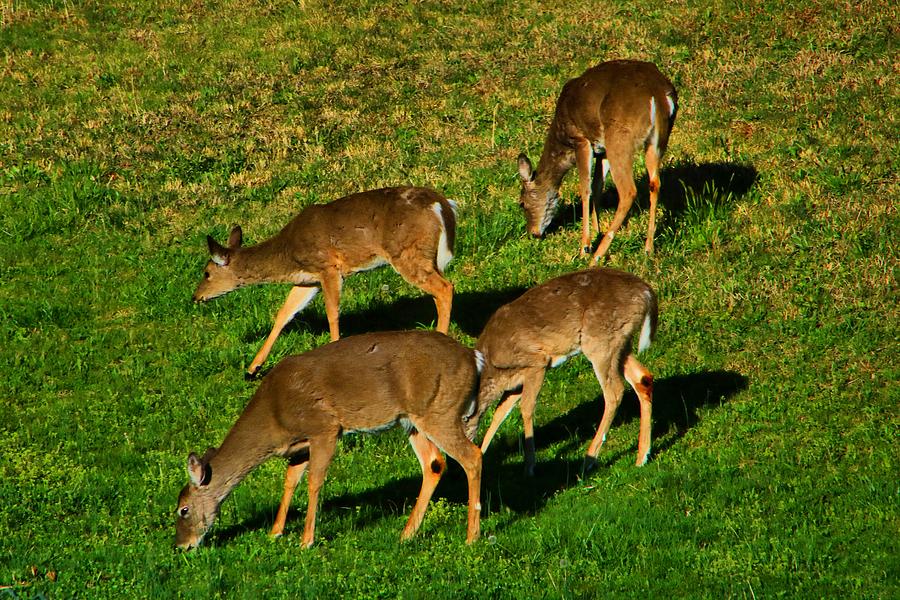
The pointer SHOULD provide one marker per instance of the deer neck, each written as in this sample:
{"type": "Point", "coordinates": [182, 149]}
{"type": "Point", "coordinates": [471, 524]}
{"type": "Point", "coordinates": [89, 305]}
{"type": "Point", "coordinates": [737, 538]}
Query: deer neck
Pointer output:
{"type": "Point", "coordinates": [271, 261]}
{"type": "Point", "coordinates": [556, 160]}
{"type": "Point", "coordinates": [243, 450]}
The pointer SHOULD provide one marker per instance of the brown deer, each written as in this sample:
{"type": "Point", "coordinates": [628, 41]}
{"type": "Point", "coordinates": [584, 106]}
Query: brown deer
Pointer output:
{"type": "Point", "coordinates": [410, 228]}
{"type": "Point", "coordinates": [421, 379]}
{"type": "Point", "coordinates": [611, 110]}
{"type": "Point", "coordinates": [596, 312]}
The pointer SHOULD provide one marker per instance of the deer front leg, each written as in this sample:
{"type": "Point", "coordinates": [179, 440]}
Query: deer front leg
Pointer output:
{"type": "Point", "coordinates": [331, 288]}
{"type": "Point", "coordinates": [321, 451]}
{"type": "Point", "coordinates": [611, 383]}
{"type": "Point", "coordinates": [291, 479]}
{"type": "Point", "coordinates": [298, 298]}
{"type": "Point", "coordinates": [500, 413]}
{"type": "Point", "coordinates": [584, 155]}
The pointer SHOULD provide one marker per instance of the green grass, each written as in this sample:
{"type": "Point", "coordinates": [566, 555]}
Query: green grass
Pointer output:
{"type": "Point", "coordinates": [130, 130]}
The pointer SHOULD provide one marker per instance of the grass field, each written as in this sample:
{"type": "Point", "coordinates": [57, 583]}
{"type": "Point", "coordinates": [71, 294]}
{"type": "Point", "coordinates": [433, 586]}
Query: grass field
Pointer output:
{"type": "Point", "coordinates": [131, 130]}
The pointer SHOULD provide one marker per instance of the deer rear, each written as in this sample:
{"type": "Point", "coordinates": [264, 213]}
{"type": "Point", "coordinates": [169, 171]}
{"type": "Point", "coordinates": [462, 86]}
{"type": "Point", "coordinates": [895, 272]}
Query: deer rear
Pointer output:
{"type": "Point", "coordinates": [611, 111]}
{"type": "Point", "coordinates": [596, 312]}
{"type": "Point", "coordinates": [411, 228]}
{"type": "Point", "coordinates": [423, 380]}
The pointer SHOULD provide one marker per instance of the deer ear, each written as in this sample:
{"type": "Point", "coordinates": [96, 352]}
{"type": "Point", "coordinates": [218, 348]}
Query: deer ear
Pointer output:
{"type": "Point", "coordinates": [195, 469]}
{"type": "Point", "coordinates": [236, 238]}
{"type": "Point", "coordinates": [526, 171]}
{"type": "Point", "coordinates": [217, 252]}
{"type": "Point", "coordinates": [198, 469]}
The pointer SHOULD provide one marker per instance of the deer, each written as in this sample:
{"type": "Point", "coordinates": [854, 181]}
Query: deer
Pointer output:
{"type": "Point", "coordinates": [609, 111]}
{"type": "Point", "coordinates": [411, 228]}
{"type": "Point", "coordinates": [423, 380]}
{"type": "Point", "coordinates": [596, 312]}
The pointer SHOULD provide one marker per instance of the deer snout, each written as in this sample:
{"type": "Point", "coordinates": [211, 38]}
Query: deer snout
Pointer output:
{"type": "Point", "coordinates": [536, 233]}
{"type": "Point", "coordinates": [186, 545]}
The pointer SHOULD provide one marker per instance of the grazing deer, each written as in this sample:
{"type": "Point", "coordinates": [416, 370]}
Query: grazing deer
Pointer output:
{"type": "Point", "coordinates": [596, 312]}
{"type": "Point", "coordinates": [422, 379]}
{"type": "Point", "coordinates": [611, 110]}
{"type": "Point", "coordinates": [410, 228]}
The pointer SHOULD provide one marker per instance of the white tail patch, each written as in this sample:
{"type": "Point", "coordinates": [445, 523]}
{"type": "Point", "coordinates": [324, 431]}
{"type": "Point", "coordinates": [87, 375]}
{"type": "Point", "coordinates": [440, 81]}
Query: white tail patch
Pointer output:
{"type": "Point", "coordinates": [671, 104]}
{"type": "Point", "coordinates": [479, 361]}
{"type": "Point", "coordinates": [445, 254]}
{"type": "Point", "coordinates": [644, 341]}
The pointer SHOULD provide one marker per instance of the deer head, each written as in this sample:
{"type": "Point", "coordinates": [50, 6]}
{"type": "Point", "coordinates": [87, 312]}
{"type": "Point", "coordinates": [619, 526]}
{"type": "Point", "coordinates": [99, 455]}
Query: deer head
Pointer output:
{"type": "Point", "coordinates": [538, 198]}
{"type": "Point", "coordinates": [219, 276]}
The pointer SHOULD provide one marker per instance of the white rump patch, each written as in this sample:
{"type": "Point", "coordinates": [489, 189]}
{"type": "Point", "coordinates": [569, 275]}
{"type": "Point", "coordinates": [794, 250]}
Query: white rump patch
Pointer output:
{"type": "Point", "coordinates": [653, 134]}
{"type": "Point", "coordinates": [444, 252]}
{"type": "Point", "coordinates": [644, 341]}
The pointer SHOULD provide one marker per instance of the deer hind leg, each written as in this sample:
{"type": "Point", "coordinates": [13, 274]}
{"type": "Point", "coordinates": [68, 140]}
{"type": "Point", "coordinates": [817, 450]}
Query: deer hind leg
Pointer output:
{"type": "Point", "coordinates": [621, 162]}
{"type": "Point", "coordinates": [598, 184]}
{"type": "Point", "coordinates": [609, 375]}
{"type": "Point", "coordinates": [321, 451]}
{"type": "Point", "coordinates": [652, 159]}
{"type": "Point", "coordinates": [426, 277]}
{"type": "Point", "coordinates": [531, 386]}
{"type": "Point", "coordinates": [584, 156]}
{"type": "Point", "coordinates": [292, 477]}
{"type": "Point", "coordinates": [433, 464]}
{"type": "Point", "coordinates": [451, 438]}
{"type": "Point", "coordinates": [298, 298]}
{"type": "Point", "coordinates": [641, 380]}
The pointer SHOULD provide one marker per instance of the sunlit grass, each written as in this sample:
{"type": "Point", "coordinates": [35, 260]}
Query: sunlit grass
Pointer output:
{"type": "Point", "coordinates": [131, 130]}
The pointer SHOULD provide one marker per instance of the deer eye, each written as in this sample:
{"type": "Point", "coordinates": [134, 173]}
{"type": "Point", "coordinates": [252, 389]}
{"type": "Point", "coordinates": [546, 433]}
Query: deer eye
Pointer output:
{"type": "Point", "coordinates": [205, 274]}
{"type": "Point", "coordinates": [183, 511]}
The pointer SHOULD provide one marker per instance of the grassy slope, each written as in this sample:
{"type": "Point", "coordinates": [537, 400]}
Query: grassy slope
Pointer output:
{"type": "Point", "coordinates": [128, 130]}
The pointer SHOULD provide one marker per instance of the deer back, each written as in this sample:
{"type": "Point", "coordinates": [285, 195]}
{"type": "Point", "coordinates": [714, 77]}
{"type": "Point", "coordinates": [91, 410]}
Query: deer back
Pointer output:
{"type": "Point", "coordinates": [369, 229]}
{"type": "Point", "coordinates": [370, 381]}
{"type": "Point", "coordinates": [610, 103]}
{"type": "Point", "coordinates": [553, 320]}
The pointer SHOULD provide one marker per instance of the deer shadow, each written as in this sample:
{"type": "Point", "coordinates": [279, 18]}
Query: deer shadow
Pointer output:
{"type": "Point", "coordinates": [676, 403]}
{"type": "Point", "coordinates": [680, 183]}
{"type": "Point", "coordinates": [471, 311]}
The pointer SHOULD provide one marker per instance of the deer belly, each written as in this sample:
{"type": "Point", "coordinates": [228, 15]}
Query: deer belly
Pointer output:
{"type": "Point", "coordinates": [558, 360]}
{"type": "Point", "coordinates": [371, 427]}
{"type": "Point", "coordinates": [373, 263]}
